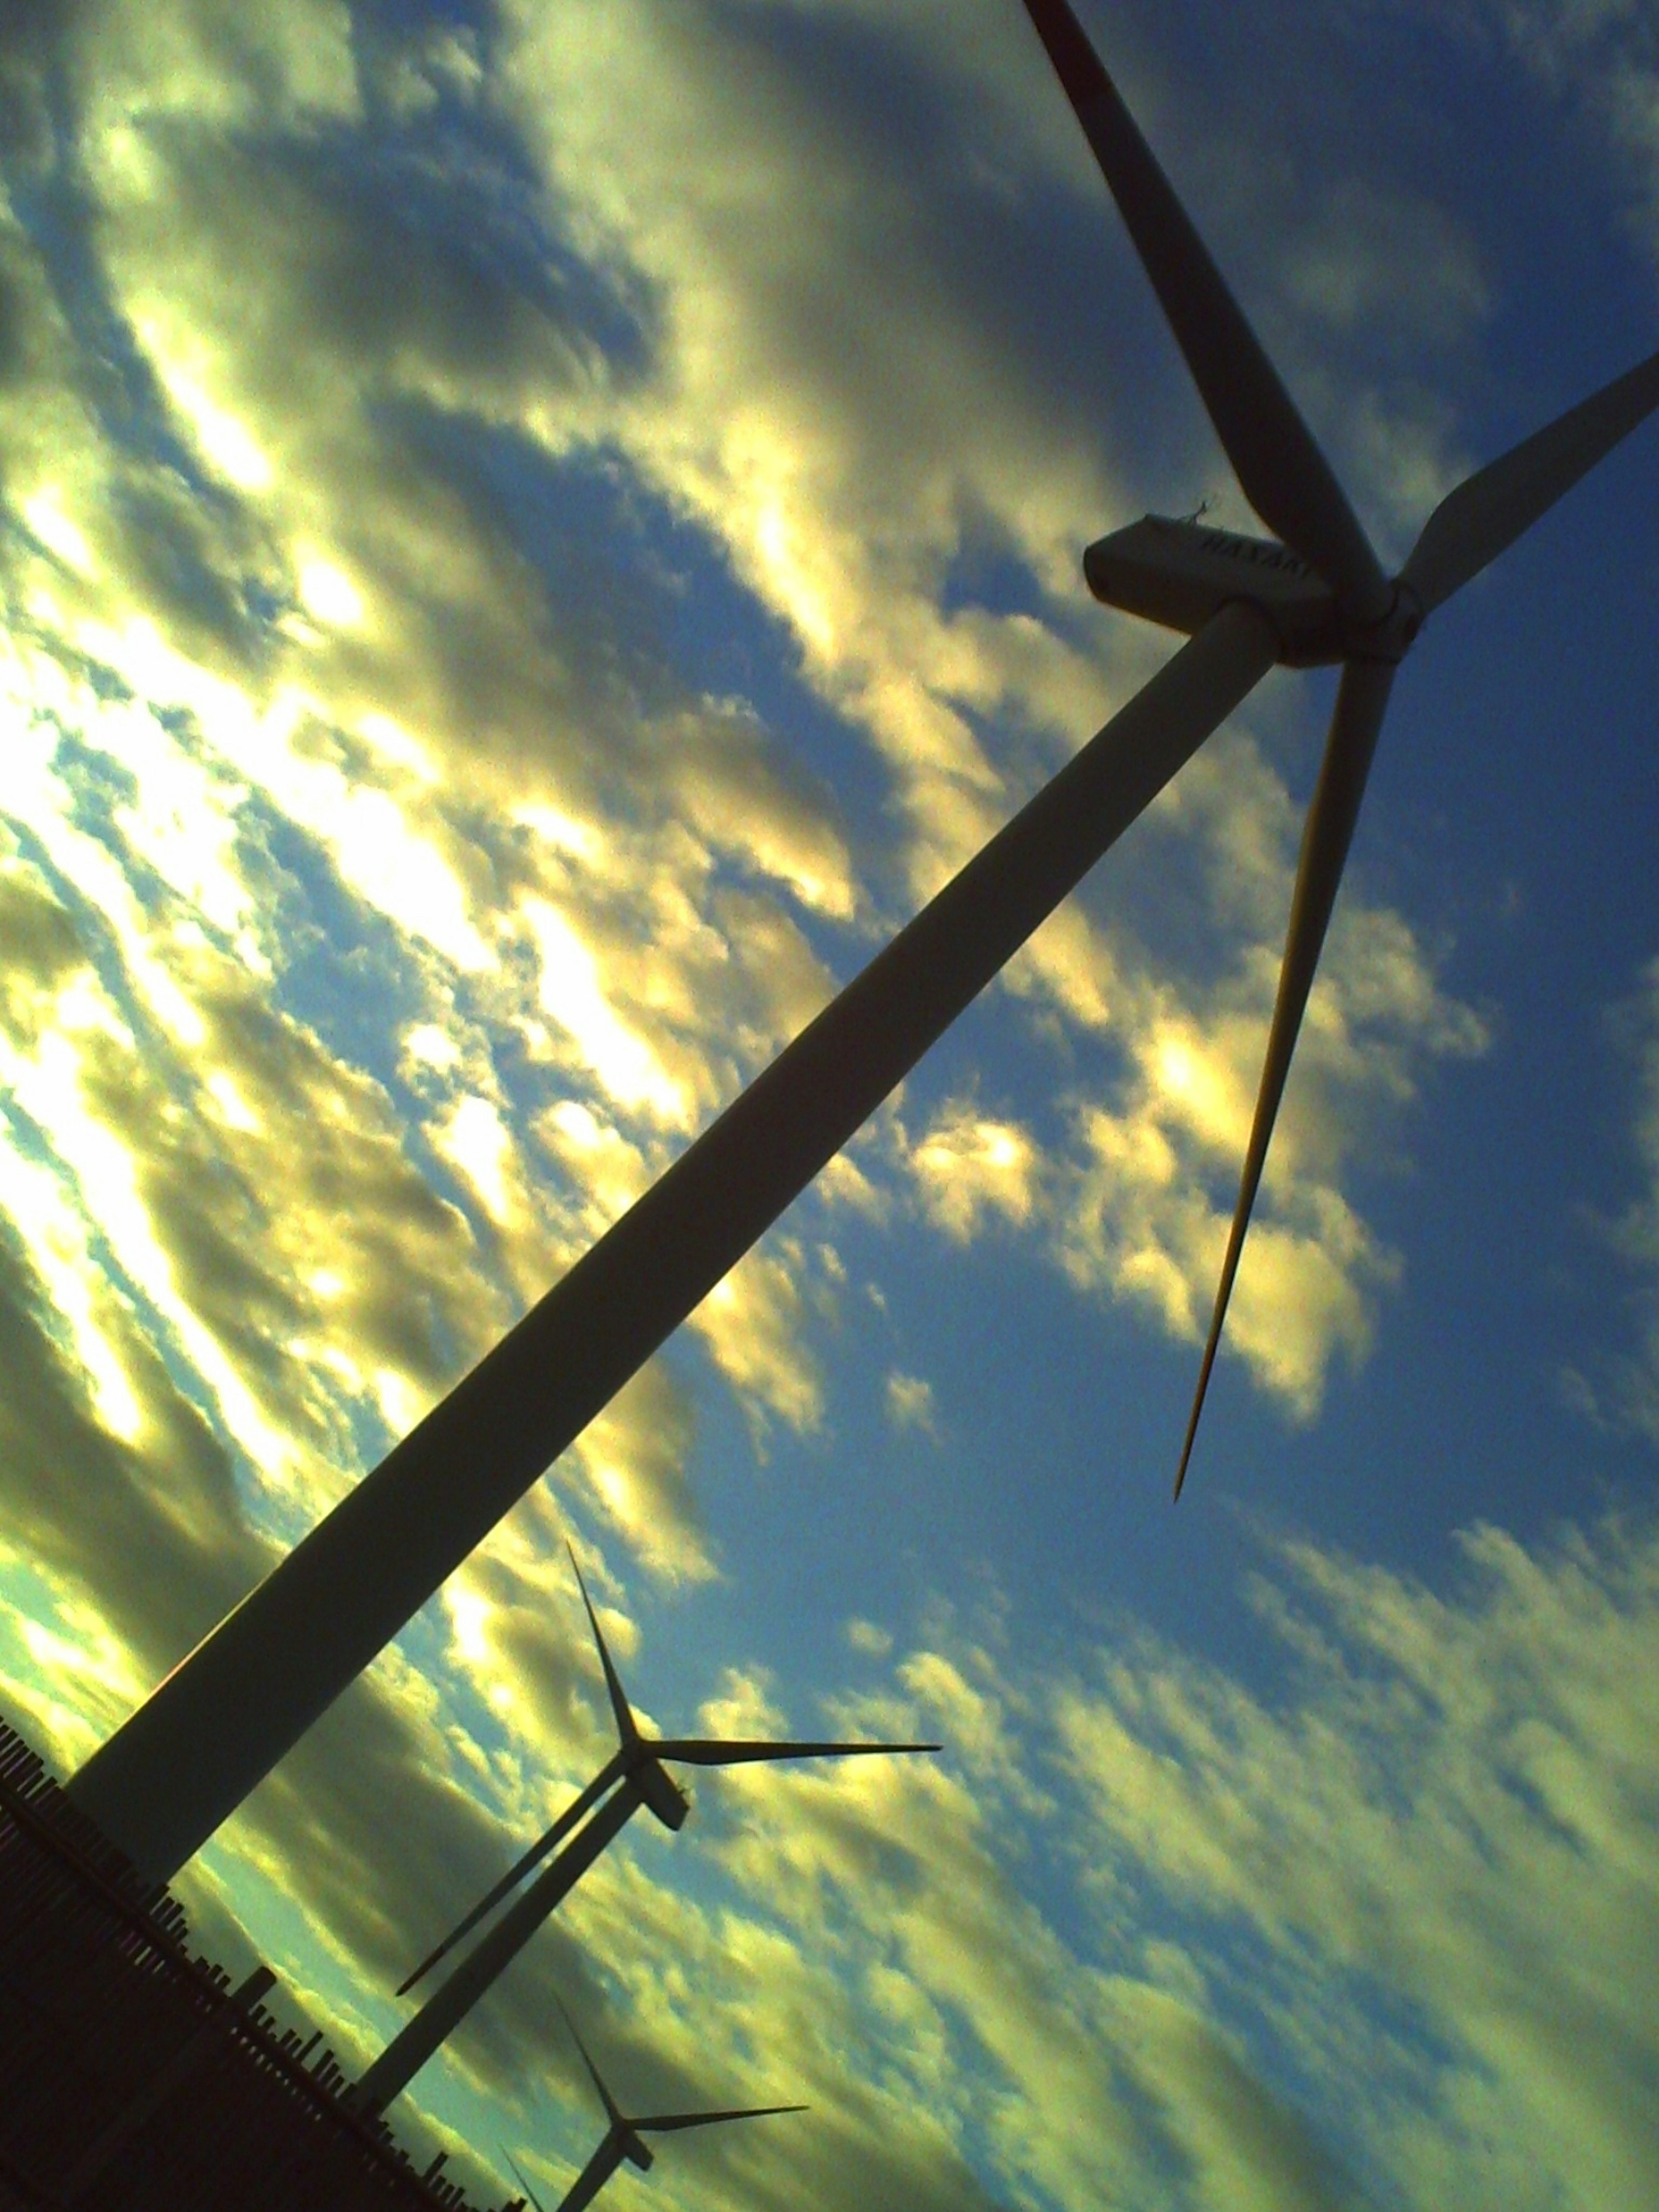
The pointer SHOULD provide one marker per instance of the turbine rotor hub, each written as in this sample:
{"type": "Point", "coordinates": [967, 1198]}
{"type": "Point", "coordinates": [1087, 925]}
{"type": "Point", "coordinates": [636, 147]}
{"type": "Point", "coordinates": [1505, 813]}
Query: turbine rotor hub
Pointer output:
{"type": "Point", "coordinates": [1392, 638]}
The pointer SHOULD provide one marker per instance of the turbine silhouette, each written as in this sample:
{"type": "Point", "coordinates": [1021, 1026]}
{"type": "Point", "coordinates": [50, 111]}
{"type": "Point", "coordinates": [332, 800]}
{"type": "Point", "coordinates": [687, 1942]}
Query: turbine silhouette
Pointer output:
{"type": "Point", "coordinates": [183, 1761]}
{"type": "Point", "coordinates": [623, 2137]}
{"type": "Point", "coordinates": [637, 1763]}
{"type": "Point", "coordinates": [637, 1767]}
{"type": "Point", "coordinates": [1322, 587]}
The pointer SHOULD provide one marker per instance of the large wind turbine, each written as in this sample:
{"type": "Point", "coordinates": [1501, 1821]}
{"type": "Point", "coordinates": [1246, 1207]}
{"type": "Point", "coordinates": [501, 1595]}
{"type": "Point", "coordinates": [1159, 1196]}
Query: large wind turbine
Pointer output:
{"type": "Point", "coordinates": [637, 1766]}
{"type": "Point", "coordinates": [1322, 585]}
{"type": "Point", "coordinates": [182, 1763]}
{"type": "Point", "coordinates": [624, 2139]}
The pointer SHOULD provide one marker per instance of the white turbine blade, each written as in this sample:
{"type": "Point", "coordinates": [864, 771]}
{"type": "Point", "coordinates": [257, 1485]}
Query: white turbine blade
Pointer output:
{"type": "Point", "coordinates": [696, 1751]}
{"type": "Point", "coordinates": [515, 1874]}
{"type": "Point", "coordinates": [1286, 478]}
{"type": "Point", "coordinates": [627, 1728]}
{"type": "Point", "coordinates": [1491, 509]}
{"type": "Point", "coordinates": [666, 2123]}
{"type": "Point", "coordinates": [1360, 702]}
{"type": "Point", "coordinates": [519, 2176]}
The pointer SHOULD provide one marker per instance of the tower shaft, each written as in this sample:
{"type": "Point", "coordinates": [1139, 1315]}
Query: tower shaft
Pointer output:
{"type": "Point", "coordinates": [451, 2001]}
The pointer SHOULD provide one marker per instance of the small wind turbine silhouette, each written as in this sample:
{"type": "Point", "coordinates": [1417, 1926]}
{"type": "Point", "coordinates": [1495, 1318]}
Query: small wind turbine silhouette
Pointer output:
{"type": "Point", "coordinates": [1321, 588]}
{"type": "Point", "coordinates": [637, 1763]}
{"type": "Point", "coordinates": [623, 2138]}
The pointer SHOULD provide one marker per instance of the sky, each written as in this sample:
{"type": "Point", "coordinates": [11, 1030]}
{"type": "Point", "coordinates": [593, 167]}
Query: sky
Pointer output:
{"type": "Point", "coordinates": [533, 538]}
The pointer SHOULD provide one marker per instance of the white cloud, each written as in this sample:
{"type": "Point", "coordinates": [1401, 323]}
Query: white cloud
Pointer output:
{"type": "Point", "coordinates": [869, 1637]}
{"type": "Point", "coordinates": [1444, 1824]}
{"type": "Point", "coordinates": [911, 1403]}
{"type": "Point", "coordinates": [751, 1322]}
{"type": "Point", "coordinates": [971, 1164]}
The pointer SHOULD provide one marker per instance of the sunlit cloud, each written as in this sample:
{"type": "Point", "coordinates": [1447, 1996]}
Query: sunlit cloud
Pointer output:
{"type": "Point", "coordinates": [393, 890]}
{"type": "Point", "coordinates": [572, 994]}
{"type": "Point", "coordinates": [1444, 1818]}
{"type": "Point", "coordinates": [971, 1164]}
{"type": "Point", "coordinates": [911, 1403]}
{"type": "Point", "coordinates": [752, 1323]}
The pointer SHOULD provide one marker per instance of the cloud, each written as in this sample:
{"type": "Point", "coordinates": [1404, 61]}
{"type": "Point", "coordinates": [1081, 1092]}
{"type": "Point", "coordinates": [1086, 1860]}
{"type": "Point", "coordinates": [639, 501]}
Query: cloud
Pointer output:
{"type": "Point", "coordinates": [1441, 1823]}
{"type": "Point", "coordinates": [317, 666]}
{"type": "Point", "coordinates": [1381, 1936]}
{"type": "Point", "coordinates": [1599, 56]}
{"type": "Point", "coordinates": [393, 890]}
{"type": "Point", "coordinates": [911, 1403]}
{"type": "Point", "coordinates": [752, 1325]}
{"type": "Point", "coordinates": [969, 1165]}
{"type": "Point", "coordinates": [869, 1637]}
{"type": "Point", "coordinates": [1349, 264]}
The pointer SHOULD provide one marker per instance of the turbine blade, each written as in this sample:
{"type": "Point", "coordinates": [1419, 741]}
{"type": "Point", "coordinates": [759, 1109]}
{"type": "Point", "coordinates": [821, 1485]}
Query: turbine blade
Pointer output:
{"type": "Point", "coordinates": [617, 2117]}
{"type": "Point", "coordinates": [1491, 509]}
{"type": "Point", "coordinates": [1360, 702]}
{"type": "Point", "coordinates": [593, 2176]}
{"type": "Point", "coordinates": [666, 2123]}
{"type": "Point", "coordinates": [697, 1751]}
{"type": "Point", "coordinates": [518, 2175]}
{"type": "Point", "coordinates": [1286, 478]}
{"type": "Point", "coordinates": [627, 1728]}
{"type": "Point", "coordinates": [515, 1874]}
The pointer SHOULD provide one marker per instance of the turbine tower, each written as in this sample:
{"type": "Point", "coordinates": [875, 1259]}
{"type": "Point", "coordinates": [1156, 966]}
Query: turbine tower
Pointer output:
{"type": "Point", "coordinates": [637, 1766]}
{"type": "Point", "coordinates": [623, 2137]}
{"type": "Point", "coordinates": [161, 1784]}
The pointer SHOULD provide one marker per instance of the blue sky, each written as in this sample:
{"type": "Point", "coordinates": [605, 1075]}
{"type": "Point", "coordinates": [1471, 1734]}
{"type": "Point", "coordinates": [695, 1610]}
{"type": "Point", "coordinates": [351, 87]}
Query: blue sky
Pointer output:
{"type": "Point", "coordinates": [532, 539]}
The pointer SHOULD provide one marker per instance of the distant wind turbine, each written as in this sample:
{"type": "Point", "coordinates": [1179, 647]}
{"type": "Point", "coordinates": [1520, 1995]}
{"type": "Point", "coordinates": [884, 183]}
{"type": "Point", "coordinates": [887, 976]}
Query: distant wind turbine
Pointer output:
{"type": "Point", "coordinates": [637, 1766]}
{"type": "Point", "coordinates": [637, 1762]}
{"type": "Point", "coordinates": [518, 2175]}
{"type": "Point", "coordinates": [622, 2138]}
{"type": "Point", "coordinates": [218, 1723]}
{"type": "Point", "coordinates": [1321, 588]}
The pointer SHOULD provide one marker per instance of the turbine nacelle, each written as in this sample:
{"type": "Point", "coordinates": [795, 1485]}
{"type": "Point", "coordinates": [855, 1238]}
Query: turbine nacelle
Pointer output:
{"type": "Point", "coordinates": [634, 2147]}
{"type": "Point", "coordinates": [662, 1794]}
{"type": "Point", "coordinates": [1181, 573]}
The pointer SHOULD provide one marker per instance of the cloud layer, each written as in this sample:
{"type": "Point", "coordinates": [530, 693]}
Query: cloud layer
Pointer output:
{"type": "Point", "coordinates": [532, 540]}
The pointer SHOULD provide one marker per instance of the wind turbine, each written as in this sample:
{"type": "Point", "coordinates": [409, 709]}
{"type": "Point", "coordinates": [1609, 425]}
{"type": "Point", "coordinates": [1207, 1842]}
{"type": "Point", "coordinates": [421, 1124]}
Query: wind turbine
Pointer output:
{"type": "Point", "coordinates": [637, 1763]}
{"type": "Point", "coordinates": [184, 1760]}
{"type": "Point", "coordinates": [1319, 582]}
{"type": "Point", "coordinates": [623, 2139]}
{"type": "Point", "coordinates": [637, 1766]}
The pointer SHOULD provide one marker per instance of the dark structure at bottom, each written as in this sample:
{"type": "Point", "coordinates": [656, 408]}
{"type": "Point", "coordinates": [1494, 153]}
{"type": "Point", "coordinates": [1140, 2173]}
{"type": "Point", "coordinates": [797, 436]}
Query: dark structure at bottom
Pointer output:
{"type": "Point", "coordinates": [133, 2077]}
